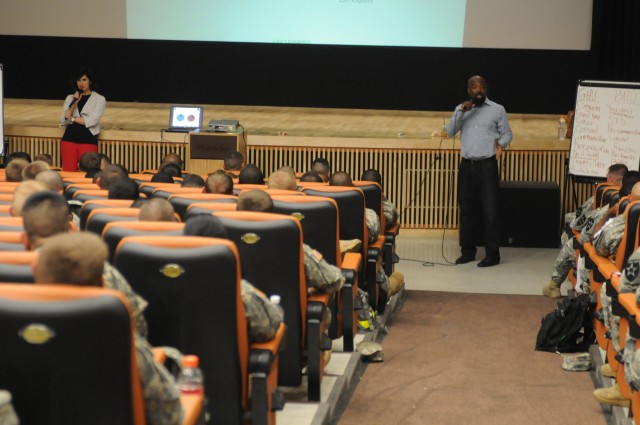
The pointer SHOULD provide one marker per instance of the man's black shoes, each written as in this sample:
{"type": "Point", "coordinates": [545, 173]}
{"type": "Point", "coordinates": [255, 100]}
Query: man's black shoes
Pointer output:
{"type": "Point", "coordinates": [489, 262]}
{"type": "Point", "coordinates": [464, 260]}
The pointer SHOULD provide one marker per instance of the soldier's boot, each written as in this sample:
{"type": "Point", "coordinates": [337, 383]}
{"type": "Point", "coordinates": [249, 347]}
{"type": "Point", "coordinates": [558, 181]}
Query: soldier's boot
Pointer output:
{"type": "Point", "coordinates": [552, 290]}
{"type": "Point", "coordinates": [396, 282]}
{"type": "Point", "coordinates": [606, 371]}
{"type": "Point", "coordinates": [612, 396]}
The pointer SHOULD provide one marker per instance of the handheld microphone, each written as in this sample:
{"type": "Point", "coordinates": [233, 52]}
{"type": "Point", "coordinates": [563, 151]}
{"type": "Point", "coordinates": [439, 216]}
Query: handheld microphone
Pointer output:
{"type": "Point", "coordinates": [75, 100]}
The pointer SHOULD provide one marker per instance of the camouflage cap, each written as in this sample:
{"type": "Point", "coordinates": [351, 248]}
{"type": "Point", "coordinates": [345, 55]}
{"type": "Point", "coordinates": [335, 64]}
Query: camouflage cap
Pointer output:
{"type": "Point", "coordinates": [576, 362]}
{"type": "Point", "coordinates": [371, 350]}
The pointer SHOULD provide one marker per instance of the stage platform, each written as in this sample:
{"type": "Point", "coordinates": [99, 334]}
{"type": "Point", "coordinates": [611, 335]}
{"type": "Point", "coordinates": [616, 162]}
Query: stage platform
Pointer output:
{"type": "Point", "coordinates": [410, 129]}
{"type": "Point", "coordinates": [419, 167]}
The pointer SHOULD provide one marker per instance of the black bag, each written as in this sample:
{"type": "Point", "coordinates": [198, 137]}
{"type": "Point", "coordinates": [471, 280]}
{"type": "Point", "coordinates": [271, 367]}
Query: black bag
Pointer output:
{"type": "Point", "coordinates": [568, 329]}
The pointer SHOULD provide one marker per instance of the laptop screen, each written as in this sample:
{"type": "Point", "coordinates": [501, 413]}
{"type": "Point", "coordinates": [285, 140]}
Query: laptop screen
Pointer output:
{"type": "Point", "coordinates": [186, 117]}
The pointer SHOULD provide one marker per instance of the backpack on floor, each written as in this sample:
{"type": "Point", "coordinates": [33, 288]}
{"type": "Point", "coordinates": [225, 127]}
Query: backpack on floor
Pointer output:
{"type": "Point", "coordinates": [568, 329]}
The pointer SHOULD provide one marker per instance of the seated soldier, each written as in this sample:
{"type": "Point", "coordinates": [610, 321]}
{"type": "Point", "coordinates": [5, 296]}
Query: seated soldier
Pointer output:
{"type": "Point", "coordinates": [320, 275]}
{"type": "Point", "coordinates": [263, 318]}
{"type": "Point", "coordinates": [47, 158]}
{"type": "Point", "coordinates": [192, 180]}
{"type": "Point", "coordinates": [109, 175]}
{"type": "Point", "coordinates": [251, 174]}
{"type": "Point", "coordinates": [171, 169]}
{"type": "Point", "coordinates": [322, 167]}
{"type": "Point", "coordinates": [395, 282]}
{"type": "Point", "coordinates": [311, 177]}
{"type": "Point", "coordinates": [233, 162]}
{"type": "Point", "coordinates": [219, 182]}
{"type": "Point", "coordinates": [283, 179]}
{"type": "Point", "coordinates": [124, 188]}
{"type": "Point", "coordinates": [89, 163]}
{"type": "Point", "coordinates": [21, 193]}
{"type": "Point", "coordinates": [171, 158]}
{"type": "Point", "coordinates": [13, 171]}
{"type": "Point", "coordinates": [157, 209]}
{"type": "Point", "coordinates": [32, 170]}
{"type": "Point", "coordinates": [389, 210]}
{"type": "Point", "coordinates": [341, 178]}
{"type": "Point", "coordinates": [162, 177]}
{"type": "Point", "coordinates": [86, 254]}
{"type": "Point", "coordinates": [584, 220]}
{"type": "Point", "coordinates": [46, 214]}
{"type": "Point", "coordinates": [609, 233]}
{"type": "Point", "coordinates": [51, 179]}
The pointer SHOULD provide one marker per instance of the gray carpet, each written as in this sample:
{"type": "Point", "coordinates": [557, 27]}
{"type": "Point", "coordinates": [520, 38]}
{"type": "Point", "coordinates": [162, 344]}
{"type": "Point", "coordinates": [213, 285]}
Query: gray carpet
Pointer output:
{"type": "Point", "coordinates": [455, 358]}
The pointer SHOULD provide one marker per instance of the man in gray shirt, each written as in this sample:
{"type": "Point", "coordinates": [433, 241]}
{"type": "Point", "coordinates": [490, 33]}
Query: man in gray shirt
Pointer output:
{"type": "Point", "coordinates": [484, 130]}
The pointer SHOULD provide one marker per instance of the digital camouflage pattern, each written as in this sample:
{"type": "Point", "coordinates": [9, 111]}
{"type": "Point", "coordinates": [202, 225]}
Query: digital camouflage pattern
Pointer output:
{"type": "Point", "coordinates": [565, 261]}
{"type": "Point", "coordinates": [390, 212]}
{"type": "Point", "coordinates": [321, 275]}
{"type": "Point", "coordinates": [572, 218]}
{"type": "Point", "coordinates": [7, 412]}
{"type": "Point", "coordinates": [159, 390]}
{"type": "Point", "coordinates": [606, 243]}
{"type": "Point", "coordinates": [630, 282]}
{"type": "Point", "coordinates": [373, 224]}
{"type": "Point", "coordinates": [113, 279]}
{"type": "Point", "coordinates": [263, 318]}
{"type": "Point", "coordinates": [586, 219]}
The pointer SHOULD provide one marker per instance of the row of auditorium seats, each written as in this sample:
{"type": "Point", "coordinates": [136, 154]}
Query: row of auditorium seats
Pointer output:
{"type": "Point", "coordinates": [174, 273]}
{"type": "Point", "coordinates": [606, 271]}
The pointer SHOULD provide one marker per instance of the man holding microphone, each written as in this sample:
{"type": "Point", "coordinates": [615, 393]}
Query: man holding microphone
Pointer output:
{"type": "Point", "coordinates": [484, 132]}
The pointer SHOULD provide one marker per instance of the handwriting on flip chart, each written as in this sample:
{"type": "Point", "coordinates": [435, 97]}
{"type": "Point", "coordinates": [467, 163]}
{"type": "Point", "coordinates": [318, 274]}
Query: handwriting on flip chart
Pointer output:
{"type": "Point", "coordinates": [606, 128]}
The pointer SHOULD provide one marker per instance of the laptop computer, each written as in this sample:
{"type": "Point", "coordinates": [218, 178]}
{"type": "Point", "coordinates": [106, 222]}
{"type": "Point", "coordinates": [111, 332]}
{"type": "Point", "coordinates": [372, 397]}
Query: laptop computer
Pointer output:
{"type": "Point", "coordinates": [183, 119]}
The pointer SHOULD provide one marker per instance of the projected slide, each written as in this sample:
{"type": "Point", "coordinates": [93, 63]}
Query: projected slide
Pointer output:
{"type": "Point", "coordinates": [434, 23]}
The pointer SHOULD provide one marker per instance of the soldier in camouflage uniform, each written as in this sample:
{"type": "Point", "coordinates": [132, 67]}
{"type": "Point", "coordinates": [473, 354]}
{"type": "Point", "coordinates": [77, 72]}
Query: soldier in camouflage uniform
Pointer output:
{"type": "Point", "coordinates": [629, 283]}
{"type": "Point", "coordinates": [583, 218]}
{"type": "Point", "coordinates": [88, 253]}
{"type": "Point", "coordinates": [263, 317]}
{"type": "Point", "coordinates": [389, 210]}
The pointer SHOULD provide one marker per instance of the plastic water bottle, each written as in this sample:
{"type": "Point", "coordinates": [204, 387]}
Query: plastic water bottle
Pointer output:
{"type": "Point", "coordinates": [275, 300]}
{"type": "Point", "coordinates": [562, 128]}
{"type": "Point", "coordinates": [190, 379]}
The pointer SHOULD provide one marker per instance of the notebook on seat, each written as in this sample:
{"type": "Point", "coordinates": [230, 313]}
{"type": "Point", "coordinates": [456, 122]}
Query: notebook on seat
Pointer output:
{"type": "Point", "coordinates": [185, 118]}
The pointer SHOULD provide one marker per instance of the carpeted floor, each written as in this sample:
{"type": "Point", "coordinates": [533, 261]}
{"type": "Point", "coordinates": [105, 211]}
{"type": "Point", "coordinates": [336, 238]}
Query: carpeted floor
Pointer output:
{"type": "Point", "coordinates": [455, 358]}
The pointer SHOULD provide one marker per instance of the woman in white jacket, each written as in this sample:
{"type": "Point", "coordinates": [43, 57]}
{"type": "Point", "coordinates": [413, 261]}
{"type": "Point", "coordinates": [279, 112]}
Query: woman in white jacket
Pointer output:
{"type": "Point", "coordinates": [81, 114]}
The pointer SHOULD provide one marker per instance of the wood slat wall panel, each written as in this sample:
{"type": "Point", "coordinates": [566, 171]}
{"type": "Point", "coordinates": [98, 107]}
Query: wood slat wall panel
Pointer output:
{"type": "Point", "coordinates": [420, 182]}
{"type": "Point", "coordinates": [423, 183]}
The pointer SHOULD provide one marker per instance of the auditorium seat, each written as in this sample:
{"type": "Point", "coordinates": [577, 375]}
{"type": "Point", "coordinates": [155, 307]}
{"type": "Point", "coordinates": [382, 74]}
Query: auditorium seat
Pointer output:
{"type": "Point", "coordinates": [5, 210]}
{"type": "Point", "coordinates": [115, 231]}
{"type": "Point", "coordinates": [198, 208]}
{"type": "Point", "coordinates": [320, 222]}
{"type": "Point", "coordinates": [93, 204]}
{"type": "Point", "coordinates": [237, 188]}
{"type": "Point", "coordinates": [84, 195]}
{"type": "Point", "coordinates": [11, 224]}
{"type": "Point", "coordinates": [192, 285]}
{"type": "Point", "coordinates": [351, 206]}
{"type": "Point", "coordinates": [98, 218]}
{"type": "Point", "coordinates": [11, 240]}
{"type": "Point", "coordinates": [181, 201]}
{"type": "Point", "coordinates": [6, 198]}
{"type": "Point", "coordinates": [166, 192]}
{"type": "Point", "coordinates": [72, 188]}
{"type": "Point", "coordinates": [148, 187]}
{"type": "Point", "coordinates": [56, 371]}
{"type": "Point", "coordinates": [270, 247]}
{"type": "Point", "coordinates": [16, 266]}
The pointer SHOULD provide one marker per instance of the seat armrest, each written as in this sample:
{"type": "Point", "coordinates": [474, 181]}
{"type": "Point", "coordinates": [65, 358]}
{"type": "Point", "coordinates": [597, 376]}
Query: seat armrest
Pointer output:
{"type": "Point", "coordinates": [159, 355]}
{"type": "Point", "coordinates": [263, 372]}
{"type": "Point", "coordinates": [272, 345]}
{"type": "Point", "coordinates": [192, 407]}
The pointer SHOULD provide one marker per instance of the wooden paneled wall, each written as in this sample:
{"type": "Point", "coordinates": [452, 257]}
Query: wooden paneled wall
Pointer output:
{"type": "Point", "coordinates": [420, 182]}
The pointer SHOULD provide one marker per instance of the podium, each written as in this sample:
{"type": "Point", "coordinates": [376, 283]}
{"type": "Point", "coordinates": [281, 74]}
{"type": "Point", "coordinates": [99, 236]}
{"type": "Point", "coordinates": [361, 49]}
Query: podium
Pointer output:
{"type": "Point", "coordinates": [206, 150]}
